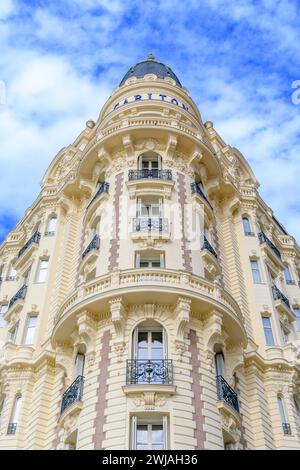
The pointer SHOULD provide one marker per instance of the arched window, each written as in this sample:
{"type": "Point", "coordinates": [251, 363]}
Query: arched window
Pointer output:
{"type": "Point", "coordinates": [247, 227]}
{"type": "Point", "coordinates": [287, 275]}
{"type": "Point", "coordinates": [149, 352]}
{"type": "Point", "coordinates": [51, 226]}
{"type": "Point", "coordinates": [12, 426]}
{"type": "Point", "coordinates": [285, 426]}
{"type": "Point", "coordinates": [220, 364]}
{"type": "Point", "coordinates": [150, 164]}
{"type": "Point", "coordinates": [79, 365]}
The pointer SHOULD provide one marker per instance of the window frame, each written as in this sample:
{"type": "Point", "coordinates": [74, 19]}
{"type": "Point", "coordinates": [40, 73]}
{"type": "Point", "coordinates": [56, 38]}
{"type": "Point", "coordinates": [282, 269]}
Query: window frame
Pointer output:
{"type": "Point", "coordinates": [268, 329]}
{"type": "Point", "coordinates": [255, 281]}
{"type": "Point", "coordinates": [27, 328]}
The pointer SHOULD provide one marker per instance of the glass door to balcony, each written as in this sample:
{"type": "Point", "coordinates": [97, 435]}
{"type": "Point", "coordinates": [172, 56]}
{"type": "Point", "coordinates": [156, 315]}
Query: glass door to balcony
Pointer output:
{"type": "Point", "coordinates": [150, 356]}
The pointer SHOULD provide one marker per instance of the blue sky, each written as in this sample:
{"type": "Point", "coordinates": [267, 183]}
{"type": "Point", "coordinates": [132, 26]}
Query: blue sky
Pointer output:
{"type": "Point", "coordinates": [59, 62]}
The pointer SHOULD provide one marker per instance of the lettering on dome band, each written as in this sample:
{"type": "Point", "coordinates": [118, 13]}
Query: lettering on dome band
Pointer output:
{"type": "Point", "coordinates": [151, 97]}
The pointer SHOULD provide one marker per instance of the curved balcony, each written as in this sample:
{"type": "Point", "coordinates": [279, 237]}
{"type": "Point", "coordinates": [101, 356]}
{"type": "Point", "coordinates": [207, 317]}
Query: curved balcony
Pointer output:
{"type": "Point", "coordinates": [140, 286]}
{"type": "Point", "coordinates": [226, 393]}
{"type": "Point", "coordinates": [144, 371]}
{"type": "Point", "coordinates": [72, 394]}
{"type": "Point", "coordinates": [150, 182]}
{"type": "Point", "coordinates": [16, 302]}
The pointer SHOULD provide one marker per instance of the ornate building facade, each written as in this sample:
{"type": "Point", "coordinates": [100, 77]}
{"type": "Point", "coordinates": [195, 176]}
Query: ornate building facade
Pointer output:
{"type": "Point", "coordinates": [149, 297]}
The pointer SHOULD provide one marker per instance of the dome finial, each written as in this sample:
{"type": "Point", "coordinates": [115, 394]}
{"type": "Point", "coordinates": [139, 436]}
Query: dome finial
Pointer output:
{"type": "Point", "coordinates": [150, 56]}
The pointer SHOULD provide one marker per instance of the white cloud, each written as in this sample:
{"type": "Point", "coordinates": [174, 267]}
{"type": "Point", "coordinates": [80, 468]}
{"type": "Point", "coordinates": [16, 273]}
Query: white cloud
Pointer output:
{"type": "Point", "coordinates": [7, 7]}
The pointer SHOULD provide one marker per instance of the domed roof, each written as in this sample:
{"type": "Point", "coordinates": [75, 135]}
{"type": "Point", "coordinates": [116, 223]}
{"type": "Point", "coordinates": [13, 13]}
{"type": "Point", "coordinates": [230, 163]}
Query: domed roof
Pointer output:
{"type": "Point", "coordinates": [150, 65]}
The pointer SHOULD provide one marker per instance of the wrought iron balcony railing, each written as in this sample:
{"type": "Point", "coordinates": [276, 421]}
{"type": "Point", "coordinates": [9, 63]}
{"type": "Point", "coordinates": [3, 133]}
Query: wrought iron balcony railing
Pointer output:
{"type": "Point", "coordinates": [278, 295]}
{"type": "Point", "coordinates": [21, 294]}
{"type": "Point", "coordinates": [143, 371]}
{"type": "Point", "coordinates": [93, 245]}
{"type": "Point", "coordinates": [195, 187]}
{"type": "Point", "coordinates": [154, 224]}
{"type": "Point", "coordinates": [145, 174]}
{"type": "Point", "coordinates": [226, 393]}
{"type": "Point", "coordinates": [264, 239]}
{"type": "Point", "coordinates": [34, 239]}
{"type": "Point", "coordinates": [11, 428]}
{"type": "Point", "coordinates": [103, 188]}
{"type": "Point", "coordinates": [286, 428]}
{"type": "Point", "coordinates": [207, 246]}
{"type": "Point", "coordinates": [73, 393]}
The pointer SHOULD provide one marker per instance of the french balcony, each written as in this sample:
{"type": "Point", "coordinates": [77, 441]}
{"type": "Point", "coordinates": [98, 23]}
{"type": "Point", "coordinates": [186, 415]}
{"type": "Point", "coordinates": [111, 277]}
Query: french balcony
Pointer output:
{"type": "Point", "coordinates": [73, 394]}
{"type": "Point", "coordinates": [27, 249]}
{"type": "Point", "coordinates": [154, 227]}
{"type": "Point", "coordinates": [149, 378]}
{"type": "Point", "coordinates": [93, 245]}
{"type": "Point", "coordinates": [150, 182]}
{"type": "Point", "coordinates": [11, 429]}
{"type": "Point", "coordinates": [91, 253]}
{"type": "Point", "coordinates": [16, 302]}
{"type": "Point", "coordinates": [282, 303]}
{"type": "Point", "coordinates": [286, 429]}
{"type": "Point", "coordinates": [196, 189]}
{"type": "Point", "coordinates": [101, 193]}
{"type": "Point", "coordinates": [143, 371]}
{"type": "Point", "coordinates": [270, 249]}
{"type": "Point", "coordinates": [226, 393]}
{"type": "Point", "coordinates": [210, 258]}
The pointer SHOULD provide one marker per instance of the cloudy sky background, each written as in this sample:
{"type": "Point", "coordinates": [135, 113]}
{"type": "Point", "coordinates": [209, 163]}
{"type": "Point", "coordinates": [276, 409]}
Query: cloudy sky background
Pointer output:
{"type": "Point", "coordinates": [60, 61]}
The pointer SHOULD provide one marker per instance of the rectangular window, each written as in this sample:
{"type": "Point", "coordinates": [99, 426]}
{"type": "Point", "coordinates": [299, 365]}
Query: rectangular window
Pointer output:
{"type": "Point", "coordinates": [12, 336]}
{"type": "Point", "coordinates": [255, 271]}
{"type": "Point", "coordinates": [43, 268]}
{"type": "Point", "coordinates": [30, 330]}
{"type": "Point", "coordinates": [297, 313]}
{"type": "Point", "coordinates": [3, 310]}
{"type": "Point", "coordinates": [152, 261]}
{"type": "Point", "coordinates": [149, 434]}
{"type": "Point", "coordinates": [268, 331]}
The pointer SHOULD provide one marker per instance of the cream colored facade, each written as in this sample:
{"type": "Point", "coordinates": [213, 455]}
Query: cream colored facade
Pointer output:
{"type": "Point", "coordinates": [118, 285]}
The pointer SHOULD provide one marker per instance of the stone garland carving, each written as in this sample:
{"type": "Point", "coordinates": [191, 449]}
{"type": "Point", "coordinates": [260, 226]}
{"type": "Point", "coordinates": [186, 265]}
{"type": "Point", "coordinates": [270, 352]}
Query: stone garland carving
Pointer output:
{"type": "Point", "coordinates": [149, 400]}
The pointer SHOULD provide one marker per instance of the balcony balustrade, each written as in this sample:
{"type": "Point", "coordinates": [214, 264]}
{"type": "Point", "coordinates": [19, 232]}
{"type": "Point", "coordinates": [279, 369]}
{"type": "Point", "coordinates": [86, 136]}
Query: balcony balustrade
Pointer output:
{"type": "Point", "coordinates": [103, 188]}
{"type": "Point", "coordinates": [72, 394]}
{"type": "Point", "coordinates": [196, 189]}
{"type": "Point", "coordinates": [264, 239]}
{"type": "Point", "coordinates": [34, 239]}
{"type": "Point", "coordinates": [286, 429]}
{"type": "Point", "coordinates": [11, 428]}
{"type": "Point", "coordinates": [93, 245]}
{"type": "Point", "coordinates": [278, 295]}
{"type": "Point", "coordinates": [154, 224]}
{"type": "Point", "coordinates": [145, 174]}
{"type": "Point", "coordinates": [226, 393]}
{"type": "Point", "coordinates": [21, 294]}
{"type": "Point", "coordinates": [207, 246]}
{"type": "Point", "coordinates": [143, 371]}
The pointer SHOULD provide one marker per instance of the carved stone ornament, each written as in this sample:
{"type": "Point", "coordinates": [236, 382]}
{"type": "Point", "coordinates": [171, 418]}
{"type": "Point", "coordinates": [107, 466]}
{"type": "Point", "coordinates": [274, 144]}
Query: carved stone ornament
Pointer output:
{"type": "Point", "coordinates": [149, 400]}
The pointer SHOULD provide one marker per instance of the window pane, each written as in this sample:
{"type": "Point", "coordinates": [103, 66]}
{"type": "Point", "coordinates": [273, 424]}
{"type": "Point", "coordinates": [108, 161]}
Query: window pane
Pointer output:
{"type": "Point", "coordinates": [158, 446]}
{"type": "Point", "coordinates": [255, 271]}
{"type": "Point", "coordinates": [246, 225]}
{"type": "Point", "coordinates": [268, 331]}
{"type": "Point", "coordinates": [3, 310]}
{"type": "Point", "coordinates": [143, 339]}
{"type": "Point", "coordinates": [157, 434]}
{"type": "Point", "coordinates": [157, 339]}
{"type": "Point", "coordinates": [144, 264]}
{"type": "Point", "coordinates": [142, 434]}
{"type": "Point", "coordinates": [155, 264]}
{"type": "Point", "coordinates": [52, 224]}
{"type": "Point", "coordinates": [281, 409]}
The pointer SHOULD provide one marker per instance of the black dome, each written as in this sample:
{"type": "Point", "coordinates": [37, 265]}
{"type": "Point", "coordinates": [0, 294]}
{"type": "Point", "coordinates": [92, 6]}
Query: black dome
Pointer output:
{"type": "Point", "coordinates": [150, 65]}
